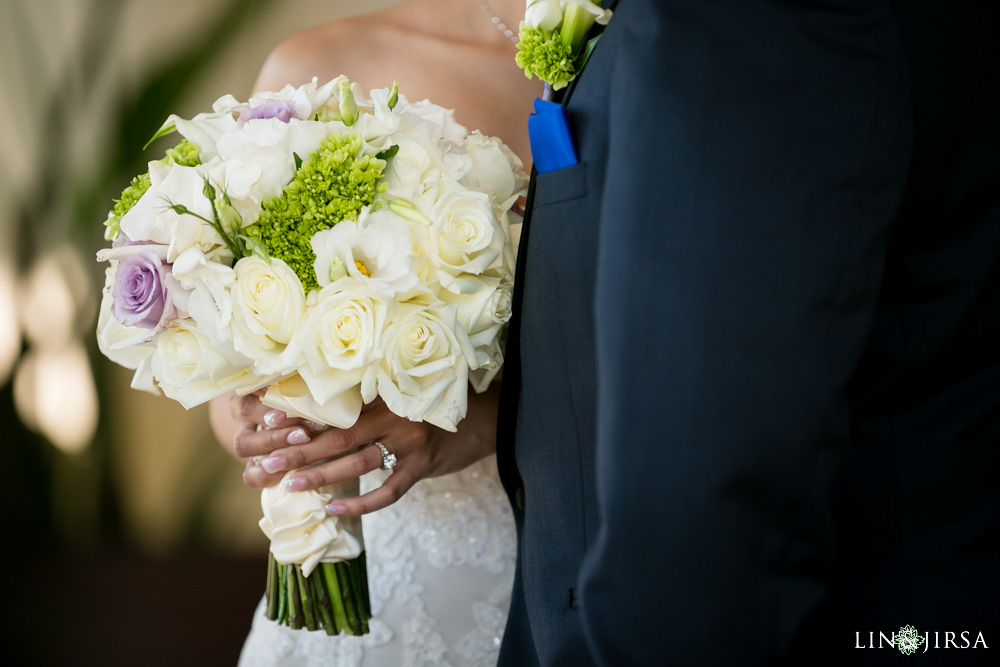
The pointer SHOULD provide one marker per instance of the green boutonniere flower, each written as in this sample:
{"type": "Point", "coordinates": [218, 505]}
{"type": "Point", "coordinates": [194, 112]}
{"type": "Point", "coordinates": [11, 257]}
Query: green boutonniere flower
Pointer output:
{"type": "Point", "coordinates": [551, 35]}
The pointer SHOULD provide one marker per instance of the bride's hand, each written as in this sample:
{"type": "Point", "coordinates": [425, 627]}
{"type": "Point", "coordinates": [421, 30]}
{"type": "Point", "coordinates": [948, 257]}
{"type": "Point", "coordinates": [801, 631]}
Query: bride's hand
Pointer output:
{"type": "Point", "coordinates": [421, 450]}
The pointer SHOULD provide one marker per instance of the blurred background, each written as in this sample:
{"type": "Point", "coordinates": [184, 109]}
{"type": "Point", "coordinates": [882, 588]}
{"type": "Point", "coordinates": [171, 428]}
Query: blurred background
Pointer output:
{"type": "Point", "coordinates": [128, 536]}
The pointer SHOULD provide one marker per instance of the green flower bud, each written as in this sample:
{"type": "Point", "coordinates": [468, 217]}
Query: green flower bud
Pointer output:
{"type": "Point", "coordinates": [348, 106]}
{"type": "Point", "coordinates": [393, 95]}
{"type": "Point", "coordinates": [407, 209]}
{"type": "Point", "coordinates": [337, 269]}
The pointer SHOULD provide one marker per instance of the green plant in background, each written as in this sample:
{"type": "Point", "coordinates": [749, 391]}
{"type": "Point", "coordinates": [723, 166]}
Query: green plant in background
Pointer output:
{"type": "Point", "coordinates": [55, 496]}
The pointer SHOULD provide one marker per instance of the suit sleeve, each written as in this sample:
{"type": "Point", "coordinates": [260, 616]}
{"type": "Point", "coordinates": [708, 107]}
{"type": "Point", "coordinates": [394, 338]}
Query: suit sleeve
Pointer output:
{"type": "Point", "coordinates": [758, 155]}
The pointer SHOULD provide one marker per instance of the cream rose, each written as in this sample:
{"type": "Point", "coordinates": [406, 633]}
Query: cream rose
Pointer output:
{"type": "Point", "coordinates": [190, 370]}
{"type": "Point", "coordinates": [495, 169]}
{"type": "Point", "coordinates": [466, 237]}
{"type": "Point", "coordinates": [268, 303]}
{"type": "Point", "coordinates": [341, 337]}
{"type": "Point", "coordinates": [424, 373]}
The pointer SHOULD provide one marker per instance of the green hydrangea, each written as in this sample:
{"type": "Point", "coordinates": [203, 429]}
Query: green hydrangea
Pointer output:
{"type": "Point", "coordinates": [333, 185]}
{"type": "Point", "coordinates": [184, 154]}
{"type": "Point", "coordinates": [545, 56]}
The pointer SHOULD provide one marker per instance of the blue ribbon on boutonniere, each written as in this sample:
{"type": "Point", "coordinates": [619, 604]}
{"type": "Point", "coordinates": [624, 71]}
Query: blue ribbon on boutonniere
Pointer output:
{"type": "Point", "coordinates": [548, 131]}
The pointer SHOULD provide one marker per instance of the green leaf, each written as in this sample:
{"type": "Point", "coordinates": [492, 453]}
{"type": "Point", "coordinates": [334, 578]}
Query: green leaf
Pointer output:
{"type": "Point", "coordinates": [388, 153]}
{"type": "Point", "coordinates": [162, 132]}
{"type": "Point", "coordinates": [298, 161]}
{"type": "Point", "coordinates": [587, 50]}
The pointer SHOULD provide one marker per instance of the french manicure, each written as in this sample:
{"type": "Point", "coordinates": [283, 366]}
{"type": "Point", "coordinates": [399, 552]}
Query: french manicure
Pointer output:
{"type": "Point", "coordinates": [298, 437]}
{"type": "Point", "coordinates": [274, 463]}
{"type": "Point", "coordinates": [335, 508]}
{"type": "Point", "coordinates": [274, 417]}
{"type": "Point", "coordinates": [296, 483]}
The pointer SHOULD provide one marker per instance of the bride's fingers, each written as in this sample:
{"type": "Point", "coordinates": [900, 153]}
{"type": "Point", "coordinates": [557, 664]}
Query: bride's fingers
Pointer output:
{"type": "Point", "coordinates": [250, 442]}
{"type": "Point", "coordinates": [347, 467]}
{"type": "Point", "coordinates": [255, 476]}
{"type": "Point", "coordinates": [398, 483]}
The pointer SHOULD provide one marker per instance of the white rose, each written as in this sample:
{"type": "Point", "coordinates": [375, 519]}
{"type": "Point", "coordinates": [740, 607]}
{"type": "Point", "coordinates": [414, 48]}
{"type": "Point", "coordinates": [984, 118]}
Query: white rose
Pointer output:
{"type": "Point", "coordinates": [376, 251]}
{"type": "Point", "coordinates": [191, 371]}
{"type": "Point", "coordinates": [466, 236]}
{"type": "Point", "coordinates": [153, 219]}
{"type": "Point", "coordinates": [268, 305]}
{"type": "Point", "coordinates": [495, 169]}
{"type": "Point", "coordinates": [340, 337]}
{"type": "Point", "coordinates": [421, 162]}
{"type": "Point", "coordinates": [301, 531]}
{"type": "Point", "coordinates": [483, 314]}
{"type": "Point", "coordinates": [442, 121]}
{"type": "Point", "coordinates": [424, 372]}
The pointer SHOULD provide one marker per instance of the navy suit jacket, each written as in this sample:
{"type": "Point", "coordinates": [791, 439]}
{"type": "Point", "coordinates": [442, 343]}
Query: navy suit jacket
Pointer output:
{"type": "Point", "coordinates": [751, 412]}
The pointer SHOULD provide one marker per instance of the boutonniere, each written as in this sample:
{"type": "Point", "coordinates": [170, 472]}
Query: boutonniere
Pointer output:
{"type": "Point", "coordinates": [551, 37]}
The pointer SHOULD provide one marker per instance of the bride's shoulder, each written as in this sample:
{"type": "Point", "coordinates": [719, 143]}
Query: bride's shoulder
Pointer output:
{"type": "Point", "coordinates": [339, 47]}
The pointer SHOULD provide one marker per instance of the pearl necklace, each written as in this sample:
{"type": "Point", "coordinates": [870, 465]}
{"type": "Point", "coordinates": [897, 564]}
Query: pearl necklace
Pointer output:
{"type": "Point", "coordinates": [501, 26]}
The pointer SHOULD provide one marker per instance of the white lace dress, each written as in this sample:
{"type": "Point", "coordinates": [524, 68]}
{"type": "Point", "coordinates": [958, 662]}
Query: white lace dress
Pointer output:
{"type": "Point", "coordinates": [440, 573]}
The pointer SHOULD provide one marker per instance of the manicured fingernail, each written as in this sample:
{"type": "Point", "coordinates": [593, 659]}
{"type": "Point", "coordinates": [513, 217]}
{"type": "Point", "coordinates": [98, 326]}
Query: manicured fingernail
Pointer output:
{"type": "Point", "coordinates": [296, 483]}
{"type": "Point", "coordinates": [274, 417]}
{"type": "Point", "coordinates": [298, 437]}
{"type": "Point", "coordinates": [334, 508]}
{"type": "Point", "coordinates": [313, 426]}
{"type": "Point", "coordinates": [274, 463]}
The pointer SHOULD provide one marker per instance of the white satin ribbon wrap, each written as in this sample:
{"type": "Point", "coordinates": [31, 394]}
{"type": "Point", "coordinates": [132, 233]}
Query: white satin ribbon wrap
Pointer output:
{"type": "Point", "coordinates": [302, 532]}
{"type": "Point", "coordinates": [292, 396]}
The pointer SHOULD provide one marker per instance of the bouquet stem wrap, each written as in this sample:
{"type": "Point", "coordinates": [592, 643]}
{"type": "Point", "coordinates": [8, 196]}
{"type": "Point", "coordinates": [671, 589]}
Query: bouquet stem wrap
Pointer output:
{"type": "Point", "coordinates": [316, 576]}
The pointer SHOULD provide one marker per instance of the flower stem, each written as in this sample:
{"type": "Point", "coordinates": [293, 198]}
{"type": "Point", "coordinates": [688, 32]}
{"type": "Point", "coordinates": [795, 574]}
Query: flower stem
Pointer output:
{"type": "Point", "coordinates": [336, 600]}
{"type": "Point", "coordinates": [323, 609]}
{"type": "Point", "coordinates": [347, 593]}
{"type": "Point", "coordinates": [272, 587]}
{"type": "Point", "coordinates": [282, 596]}
{"type": "Point", "coordinates": [305, 598]}
{"type": "Point", "coordinates": [294, 602]}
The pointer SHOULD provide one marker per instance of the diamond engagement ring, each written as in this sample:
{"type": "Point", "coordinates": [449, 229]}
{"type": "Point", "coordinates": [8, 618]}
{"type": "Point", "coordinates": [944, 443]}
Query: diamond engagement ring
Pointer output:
{"type": "Point", "coordinates": [388, 458]}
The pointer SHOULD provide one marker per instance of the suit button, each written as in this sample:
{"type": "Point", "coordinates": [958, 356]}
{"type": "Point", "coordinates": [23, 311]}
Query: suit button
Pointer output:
{"type": "Point", "coordinates": [519, 498]}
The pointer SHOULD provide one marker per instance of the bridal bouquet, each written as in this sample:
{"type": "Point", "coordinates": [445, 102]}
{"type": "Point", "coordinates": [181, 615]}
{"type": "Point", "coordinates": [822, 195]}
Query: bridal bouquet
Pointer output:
{"type": "Point", "coordinates": [333, 249]}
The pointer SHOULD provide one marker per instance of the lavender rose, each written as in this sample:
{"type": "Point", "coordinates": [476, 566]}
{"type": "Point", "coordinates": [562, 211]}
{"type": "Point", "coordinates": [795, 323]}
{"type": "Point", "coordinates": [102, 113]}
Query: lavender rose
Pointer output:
{"type": "Point", "coordinates": [283, 110]}
{"type": "Point", "coordinates": [140, 298]}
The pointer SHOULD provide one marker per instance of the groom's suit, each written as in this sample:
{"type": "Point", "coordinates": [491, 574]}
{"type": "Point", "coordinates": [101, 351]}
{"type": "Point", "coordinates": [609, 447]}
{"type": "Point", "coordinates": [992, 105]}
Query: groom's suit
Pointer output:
{"type": "Point", "coordinates": [752, 405]}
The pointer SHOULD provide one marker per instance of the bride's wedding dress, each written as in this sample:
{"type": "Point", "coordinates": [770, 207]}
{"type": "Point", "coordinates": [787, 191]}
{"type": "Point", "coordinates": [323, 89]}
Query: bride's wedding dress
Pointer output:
{"type": "Point", "coordinates": [440, 572]}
